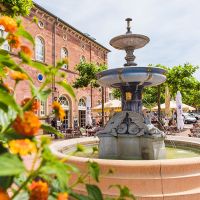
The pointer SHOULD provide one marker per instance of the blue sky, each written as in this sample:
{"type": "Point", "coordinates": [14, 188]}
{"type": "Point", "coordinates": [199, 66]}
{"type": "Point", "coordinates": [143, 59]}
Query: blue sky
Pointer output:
{"type": "Point", "coordinates": [172, 25]}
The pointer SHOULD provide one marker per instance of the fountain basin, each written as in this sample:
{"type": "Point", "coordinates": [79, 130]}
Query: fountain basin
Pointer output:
{"type": "Point", "coordinates": [176, 179]}
{"type": "Point", "coordinates": [145, 76]}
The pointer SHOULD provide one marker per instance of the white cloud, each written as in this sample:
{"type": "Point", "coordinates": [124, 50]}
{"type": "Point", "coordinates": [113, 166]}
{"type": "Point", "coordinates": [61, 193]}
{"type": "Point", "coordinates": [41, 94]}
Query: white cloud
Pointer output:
{"type": "Point", "coordinates": [173, 26]}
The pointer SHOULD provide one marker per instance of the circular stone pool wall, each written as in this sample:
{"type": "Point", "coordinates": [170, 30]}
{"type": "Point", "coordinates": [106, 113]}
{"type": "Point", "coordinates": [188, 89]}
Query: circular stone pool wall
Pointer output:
{"type": "Point", "coordinates": [175, 179]}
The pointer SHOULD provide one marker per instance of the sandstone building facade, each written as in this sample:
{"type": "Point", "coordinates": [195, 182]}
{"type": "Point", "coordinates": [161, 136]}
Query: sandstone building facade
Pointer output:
{"type": "Point", "coordinates": [54, 40]}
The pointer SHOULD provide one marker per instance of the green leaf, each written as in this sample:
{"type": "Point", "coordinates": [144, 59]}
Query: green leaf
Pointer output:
{"type": "Point", "coordinates": [59, 170]}
{"type": "Point", "coordinates": [51, 129]}
{"type": "Point", "coordinates": [2, 40]}
{"type": "Point", "coordinates": [10, 165]}
{"type": "Point", "coordinates": [41, 95]}
{"type": "Point", "coordinates": [6, 181]}
{"type": "Point", "coordinates": [22, 32]}
{"type": "Point", "coordinates": [79, 196]}
{"type": "Point", "coordinates": [24, 58]}
{"type": "Point", "coordinates": [6, 118]}
{"type": "Point", "coordinates": [94, 170]}
{"type": "Point", "coordinates": [22, 196]}
{"type": "Point", "coordinates": [67, 87]}
{"type": "Point", "coordinates": [4, 52]}
{"type": "Point", "coordinates": [41, 67]}
{"type": "Point", "coordinates": [6, 98]}
{"type": "Point", "coordinates": [94, 192]}
{"type": "Point", "coordinates": [10, 134]}
{"type": "Point", "coordinates": [4, 107]}
{"type": "Point", "coordinates": [124, 192]}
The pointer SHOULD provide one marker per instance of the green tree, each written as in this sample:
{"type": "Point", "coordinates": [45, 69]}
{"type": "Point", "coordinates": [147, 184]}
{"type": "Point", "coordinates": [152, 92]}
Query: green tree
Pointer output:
{"type": "Point", "coordinates": [116, 93]}
{"type": "Point", "coordinates": [15, 7]}
{"type": "Point", "coordinates": [182, 78]}
{"type": "Point", "coordinates": [87, 77]}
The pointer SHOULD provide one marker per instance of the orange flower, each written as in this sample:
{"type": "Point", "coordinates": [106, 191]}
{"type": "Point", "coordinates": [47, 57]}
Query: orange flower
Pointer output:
{"type": "Point", "coordinates": [35, 104]}
{"type": "Point", "coordinates": [4, 195]}
{"type": "Point", "coordinates": [22, 147]}
{"type": "Point", "coordinates": [9, 24]}
{"type": "Point", "coordinates": [63, 196]}
{"type": "Point", "coordinates": [14, 41]}
{"type": "Point", "coordinates": [26, 50]}
{"type": "Point", "coordinates": [29, 125]}
{"type": "Point", "coordinates": [6, 70]}
{"type": "Point", "coordinates": [58, 110]}
{"type": "Point", "coordinates": [18, 76]}
{"type": "Point", "coordinates": [38, 190]}
{"type": "Point", "coordinates": [5, 85]}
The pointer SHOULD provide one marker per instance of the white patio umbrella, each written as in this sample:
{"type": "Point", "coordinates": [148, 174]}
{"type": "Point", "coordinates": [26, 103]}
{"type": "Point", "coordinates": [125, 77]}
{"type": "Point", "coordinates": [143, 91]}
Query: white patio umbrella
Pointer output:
{"type": "Point", "coordinates": [112, 105]}
{"type": "Point", "coordinates": [173, 106]}
{"type": "Point", "coordinates": [88, 112]}
{"type": "Point", "coordinates": [179, 110]}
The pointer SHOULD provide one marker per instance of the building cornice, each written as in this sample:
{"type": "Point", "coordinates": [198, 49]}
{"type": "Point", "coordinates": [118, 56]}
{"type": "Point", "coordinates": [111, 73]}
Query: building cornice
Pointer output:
{"type": "Point", "coordinates": [67, 27]}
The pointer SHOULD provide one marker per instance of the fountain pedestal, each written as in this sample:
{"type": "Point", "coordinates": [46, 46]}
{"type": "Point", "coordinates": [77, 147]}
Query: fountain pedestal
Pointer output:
{"type": "Point", "coordinates": [126, 136]}
{"type": "Point", "coordinates": [130, 147]}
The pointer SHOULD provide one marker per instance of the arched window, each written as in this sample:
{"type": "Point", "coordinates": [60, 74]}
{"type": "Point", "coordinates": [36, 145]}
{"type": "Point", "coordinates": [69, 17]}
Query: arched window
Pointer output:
{"type": "Point", "coordinates": [39, 49]}
{"type": "Point", "coordinates": [82, 112]}
{"type": "Point", "coordinates": [82, 103]}
{"type": "Point", "coordinates": [64, 102]}
{"type": "Point", "coordinates": [4, 34]}
{"type": "Point", "coordinates": [82, 59]}
{"type": "Point", "coordinates": [64, 55]}
{"type": "Point", "coordinates": [43, 108]}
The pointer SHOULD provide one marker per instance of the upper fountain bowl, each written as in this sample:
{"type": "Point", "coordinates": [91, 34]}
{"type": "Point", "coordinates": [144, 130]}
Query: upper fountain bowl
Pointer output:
{"type": "Point", "coordinates": [133, 41]}
{"type": "Point", "coordinates": [144, 76]}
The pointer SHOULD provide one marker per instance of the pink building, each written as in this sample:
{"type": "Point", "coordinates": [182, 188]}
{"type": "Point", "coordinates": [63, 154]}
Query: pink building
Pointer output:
{"type": "Point", "coordinates": [56, 39]}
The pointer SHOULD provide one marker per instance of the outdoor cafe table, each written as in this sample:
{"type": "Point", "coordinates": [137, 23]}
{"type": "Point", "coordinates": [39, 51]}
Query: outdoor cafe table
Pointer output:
{"type": "Point", "coordinates": [90, 132]}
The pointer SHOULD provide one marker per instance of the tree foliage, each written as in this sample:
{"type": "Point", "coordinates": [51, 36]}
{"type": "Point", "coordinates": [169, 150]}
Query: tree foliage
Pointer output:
{"type": "Point", "coordinates": [87, 74]}
{"type": "Point", "coordinates": [15, 7]}
{"type": "Point", "coordinates": [178, 78]}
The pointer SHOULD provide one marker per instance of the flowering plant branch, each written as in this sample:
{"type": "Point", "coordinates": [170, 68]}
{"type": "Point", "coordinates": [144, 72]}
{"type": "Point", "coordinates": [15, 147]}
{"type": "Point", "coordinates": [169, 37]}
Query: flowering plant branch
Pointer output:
{"type": "Point", "coordinates": [47, 178]}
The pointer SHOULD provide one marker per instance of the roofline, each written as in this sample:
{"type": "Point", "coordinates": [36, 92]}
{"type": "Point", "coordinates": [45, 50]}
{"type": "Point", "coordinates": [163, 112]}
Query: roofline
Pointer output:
{"type": "Point", "coordinates": [59, 19]}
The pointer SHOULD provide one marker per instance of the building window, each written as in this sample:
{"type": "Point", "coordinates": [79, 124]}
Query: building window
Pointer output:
{"type": "Point", "coordinates": [39, 49]}
{"type": "Point", "coordinates": [63, 101]}
{"type": "Point", "coordinates": [82, 112]}
{"type": "Point", "coordinates": [42, 108]}
{"type": "Point", "coordinates": [4, 34]}
{"type": "Point", "coordinates": [111, 97]}
{"type": "Point", "coordinates": [99, 102]}
{"type": "Point", "coordinates": [65, 104]}
{"type": "Point", "coordinates": [82, 59]}
{"type": "Point", "coordinates": [82, 103]}
{"type": "Point", "coordinates": [82, 118]}
{"type": "Point", "coordinates": [82, 46]}
{"type": "Point", "coordinates": [64, 55]}
{"type": "Point", "coordinates": [40, 24]}
{"type": "Point", "coordinates": [64, 36]}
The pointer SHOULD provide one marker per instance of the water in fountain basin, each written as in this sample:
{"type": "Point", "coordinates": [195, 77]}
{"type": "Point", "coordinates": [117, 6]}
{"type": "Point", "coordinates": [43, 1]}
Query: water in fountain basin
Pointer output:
{"type": "Point", "coordinates": [171, 152]}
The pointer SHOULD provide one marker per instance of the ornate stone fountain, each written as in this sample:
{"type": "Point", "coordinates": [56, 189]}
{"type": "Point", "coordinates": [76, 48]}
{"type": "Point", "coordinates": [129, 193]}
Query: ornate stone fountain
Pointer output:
{"type": "Point", "coordinates": [128, 135]}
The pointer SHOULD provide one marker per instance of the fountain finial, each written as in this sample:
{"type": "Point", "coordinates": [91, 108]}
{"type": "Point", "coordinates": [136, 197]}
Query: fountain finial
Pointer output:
{"type": "Point", "coordinates": [128, 25]}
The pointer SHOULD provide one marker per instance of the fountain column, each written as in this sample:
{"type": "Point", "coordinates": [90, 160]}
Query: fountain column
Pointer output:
{"type": "Point", "coordinates": [132, 97]}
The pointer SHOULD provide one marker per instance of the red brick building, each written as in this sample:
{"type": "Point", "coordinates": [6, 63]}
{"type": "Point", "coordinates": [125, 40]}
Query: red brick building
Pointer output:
{"type": "Point", "coordinates": [54, 40]}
